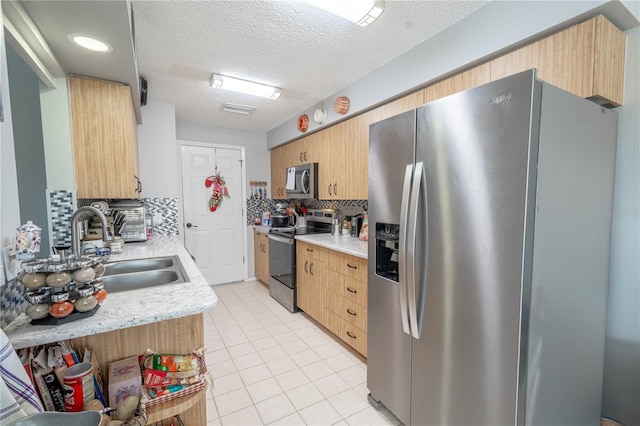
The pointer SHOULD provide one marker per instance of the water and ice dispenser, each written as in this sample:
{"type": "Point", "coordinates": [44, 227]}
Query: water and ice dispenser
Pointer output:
{"type": "Point", "coordinates": [387, 244]}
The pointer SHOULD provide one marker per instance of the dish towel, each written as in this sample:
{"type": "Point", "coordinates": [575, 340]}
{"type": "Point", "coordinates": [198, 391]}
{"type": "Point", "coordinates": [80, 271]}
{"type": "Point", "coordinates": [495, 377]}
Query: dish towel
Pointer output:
{"type": "Point", "coordinates": [18, 398]}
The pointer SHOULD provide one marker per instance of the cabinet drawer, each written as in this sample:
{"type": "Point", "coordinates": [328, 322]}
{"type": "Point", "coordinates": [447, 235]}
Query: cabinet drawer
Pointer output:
{"type": "Point", "coordinates": [353, 313]}
{"type": "Point", "coordinates": [354, 337]}
{"type": "Point", "coordinates": [335, 281]}
{"type": "Point", "coordinates": [348, 287]}
{"type": "Point", "coordinates": [333, 322]}
{"type": "Point", "coordinates": [355, 291]}
{"type": "Point", "coordinates": [335, 302]}
{"type": "Point", "coordinates": [313, 251]}
{"type": "Point", "coordinates": [351, 266]}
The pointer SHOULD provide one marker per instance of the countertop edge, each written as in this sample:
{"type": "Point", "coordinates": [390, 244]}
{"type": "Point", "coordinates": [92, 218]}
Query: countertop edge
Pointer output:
{"type": "Point", "coordinates": [131, 308]}
{"type": "Point", "coordinates": [344, 243]}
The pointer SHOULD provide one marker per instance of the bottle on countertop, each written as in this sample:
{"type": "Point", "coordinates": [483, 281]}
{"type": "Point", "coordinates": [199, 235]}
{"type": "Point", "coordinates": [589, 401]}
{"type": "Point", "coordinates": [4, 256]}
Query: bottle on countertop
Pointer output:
{"type": "Point", "coordinates": [345, 226]}
{"type": "Point", "coordinates": [148, 220]}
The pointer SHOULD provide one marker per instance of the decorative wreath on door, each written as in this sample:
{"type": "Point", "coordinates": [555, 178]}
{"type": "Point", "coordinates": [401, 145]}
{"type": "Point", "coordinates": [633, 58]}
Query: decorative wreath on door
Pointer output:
{"type": "Point", "coordinates": [220, 190]}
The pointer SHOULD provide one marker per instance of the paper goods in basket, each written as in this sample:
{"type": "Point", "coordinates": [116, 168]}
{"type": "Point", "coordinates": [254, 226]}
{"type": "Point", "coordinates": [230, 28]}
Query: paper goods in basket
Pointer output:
{"type": "Point", "coordinates": [161, 386]}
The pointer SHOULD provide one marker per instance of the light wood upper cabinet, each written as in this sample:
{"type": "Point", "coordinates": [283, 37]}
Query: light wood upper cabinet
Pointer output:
{"type": "Point", "coordinates": [465, 80]}
{"type": "Point", "coordinates": [334, 163]}
{"type": "Point", "coordinates": [278, 176]}
{"type": "Point", "coordinates": [406, 103]}
{"type": "Point", "coordinates": [105, 142]}
{"type": "Point", "coordinates": [358, 147]}
{"type": "Point", "coordinates": [586, 60]}
{"type": "Point", "coordinates": [261, 256]}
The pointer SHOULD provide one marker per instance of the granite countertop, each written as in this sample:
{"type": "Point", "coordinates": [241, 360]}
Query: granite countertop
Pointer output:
{"type": "Point", "coordinates": [129, 308]}
{"type": "Point", "coordinates": [343, 243]}
{"type": "Point", "coordinates": [262, 228]}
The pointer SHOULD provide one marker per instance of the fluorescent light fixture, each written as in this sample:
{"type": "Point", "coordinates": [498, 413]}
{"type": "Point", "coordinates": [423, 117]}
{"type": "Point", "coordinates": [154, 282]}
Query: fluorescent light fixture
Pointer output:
{"type": "Point", "coordinates": [90, 43]}
{"type": "Point", "coordinates": [218, 81]}
{"type": "Point", "coordinates": [361, 12]}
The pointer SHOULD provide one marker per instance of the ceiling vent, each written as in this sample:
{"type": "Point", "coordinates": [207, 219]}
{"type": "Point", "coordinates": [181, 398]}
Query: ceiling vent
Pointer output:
{"type": "Point", "coordinates": [238, 109]}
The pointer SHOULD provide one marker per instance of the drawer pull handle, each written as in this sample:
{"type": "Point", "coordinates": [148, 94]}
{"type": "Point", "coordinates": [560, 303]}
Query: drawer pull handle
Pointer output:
{"type": "Point", "coordinates": [350, 290]}
{"type": "Point", "coordinates": [350, 312]}
{"type": "Point", "coordinates": [311, 250]}
{"type": "Point", "coordinates": [352, 266]}
{"type": "Point", "coordinates": [351, 335]}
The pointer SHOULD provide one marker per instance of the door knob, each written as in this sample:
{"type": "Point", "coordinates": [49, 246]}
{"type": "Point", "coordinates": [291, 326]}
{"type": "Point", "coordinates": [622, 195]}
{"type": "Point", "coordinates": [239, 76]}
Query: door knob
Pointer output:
{"type": "Point", "coordinates": [189, 225]}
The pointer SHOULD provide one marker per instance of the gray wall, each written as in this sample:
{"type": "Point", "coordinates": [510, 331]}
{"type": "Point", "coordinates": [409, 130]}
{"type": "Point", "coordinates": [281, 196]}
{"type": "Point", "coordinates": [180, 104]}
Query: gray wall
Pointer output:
{"type": "Point", "coordinates": [24, 86]}
{"type": "Point", "coordinates": [9, 208]}
{"type": "Point", "coordinates": [157, 151]}
{"type": "Point", "coordinates": [56, 129]}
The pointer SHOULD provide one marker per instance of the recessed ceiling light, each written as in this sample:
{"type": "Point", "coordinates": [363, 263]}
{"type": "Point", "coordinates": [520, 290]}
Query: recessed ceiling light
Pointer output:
{"type": "Point", "coordinates": [90, 43]}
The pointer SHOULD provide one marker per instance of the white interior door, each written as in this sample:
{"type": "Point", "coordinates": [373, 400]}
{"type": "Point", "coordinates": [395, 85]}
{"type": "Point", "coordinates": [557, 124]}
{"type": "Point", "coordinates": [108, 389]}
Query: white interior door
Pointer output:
{"type": "Point", "coordinates": [215, 239]}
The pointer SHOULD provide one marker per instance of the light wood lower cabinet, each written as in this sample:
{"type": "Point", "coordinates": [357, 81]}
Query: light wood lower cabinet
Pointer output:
{"type": "Point", "coordinates": [261, 255]}
{"type": "Point", "coordinates": [176, 336]}
{"type": "Point", "coordinates": [311, 273]}
{"type": "Point", "coordinates": [337, 296]}
{"type": "Point", "coordinates": [347, 288]}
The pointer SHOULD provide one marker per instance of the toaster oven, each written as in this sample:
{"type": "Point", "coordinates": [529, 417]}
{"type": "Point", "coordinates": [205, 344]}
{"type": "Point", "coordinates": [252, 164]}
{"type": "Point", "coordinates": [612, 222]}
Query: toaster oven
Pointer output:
{"type": "Point", "coordinates": [129, 221]}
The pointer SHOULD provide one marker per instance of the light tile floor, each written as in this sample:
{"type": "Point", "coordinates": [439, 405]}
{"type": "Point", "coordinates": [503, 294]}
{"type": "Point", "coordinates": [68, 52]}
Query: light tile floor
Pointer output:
{"type": "Point", "coordinates": [277, 368]}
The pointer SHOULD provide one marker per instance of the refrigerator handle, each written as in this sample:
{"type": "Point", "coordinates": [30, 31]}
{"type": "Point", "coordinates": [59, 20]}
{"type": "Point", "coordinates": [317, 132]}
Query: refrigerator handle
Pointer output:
{"type": "Point", "coordinates": [419, 188]}
{"type": "Point", "coordinates": [402, 260]}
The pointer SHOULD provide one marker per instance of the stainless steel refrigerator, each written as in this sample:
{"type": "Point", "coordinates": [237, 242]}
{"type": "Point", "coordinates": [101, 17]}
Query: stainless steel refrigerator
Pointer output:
{"type": "Point", "coordinates": [489, 236]}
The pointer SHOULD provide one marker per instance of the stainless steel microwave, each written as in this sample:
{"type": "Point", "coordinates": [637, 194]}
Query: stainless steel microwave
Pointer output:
{"type": "Point", "coordinates": [302, 181]}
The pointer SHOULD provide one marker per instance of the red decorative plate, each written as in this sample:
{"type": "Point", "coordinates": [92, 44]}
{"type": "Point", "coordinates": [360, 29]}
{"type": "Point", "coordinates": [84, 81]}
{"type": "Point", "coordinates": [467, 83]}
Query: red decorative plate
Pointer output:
{"type": "Point", "coordinates": [341, 105]}
{"type": "Point", "coordinates": [303, 123]}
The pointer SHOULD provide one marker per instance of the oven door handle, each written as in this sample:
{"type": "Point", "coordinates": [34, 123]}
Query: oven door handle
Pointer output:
{"type": "Point", "coordinates": [281, 239]}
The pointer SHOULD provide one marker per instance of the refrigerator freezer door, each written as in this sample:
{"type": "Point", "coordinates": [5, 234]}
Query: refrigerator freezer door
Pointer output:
{"type": "Point", "coordinates": [475, 146]}
{"type": "Point", "coordinates": [391, 150]}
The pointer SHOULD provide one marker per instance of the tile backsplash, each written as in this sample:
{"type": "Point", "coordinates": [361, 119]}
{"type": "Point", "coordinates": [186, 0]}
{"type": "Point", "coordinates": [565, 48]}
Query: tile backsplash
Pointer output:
{"type": "Point", "coordinates": [167, 207]}
{"type": "Point", "coordinates": [255, 206]}
{"type": "Point", "coordinates": [11, 302]}
{"type": "Point", "coordinates": [62, 206]}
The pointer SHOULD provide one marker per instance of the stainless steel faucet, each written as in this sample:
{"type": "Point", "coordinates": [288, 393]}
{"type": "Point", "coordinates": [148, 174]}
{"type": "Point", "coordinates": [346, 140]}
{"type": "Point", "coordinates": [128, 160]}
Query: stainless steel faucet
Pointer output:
{"type": "Point", "coordinates": [76, 224]}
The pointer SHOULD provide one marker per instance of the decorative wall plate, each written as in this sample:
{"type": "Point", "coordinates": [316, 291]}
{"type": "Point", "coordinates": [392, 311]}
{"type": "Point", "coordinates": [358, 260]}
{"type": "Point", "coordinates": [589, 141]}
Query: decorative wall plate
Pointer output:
{"type": "Point", "coordinates": [320, 115]}
{"type": "Point", "coordinates": [303, 123]}
{"type": "Point", "coordinates": [341, 105]}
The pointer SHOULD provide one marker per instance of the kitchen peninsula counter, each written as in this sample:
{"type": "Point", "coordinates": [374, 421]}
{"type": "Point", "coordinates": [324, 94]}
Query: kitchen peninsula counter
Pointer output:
{"type": "Point", "coordinates": [127, 309]}
{"type": "Point", "coordinates": [343, 243]}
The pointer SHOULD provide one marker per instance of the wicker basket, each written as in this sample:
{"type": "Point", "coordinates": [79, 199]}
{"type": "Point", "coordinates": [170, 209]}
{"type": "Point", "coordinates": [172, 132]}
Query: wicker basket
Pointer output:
{"type": "Point", "coordinates": [147, 401]}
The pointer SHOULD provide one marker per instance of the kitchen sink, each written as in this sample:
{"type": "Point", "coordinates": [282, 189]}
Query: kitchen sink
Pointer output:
{"type": "Point", "coordinates": [139, 265]}
{"type": "Point", "coordinates": [143, 273]}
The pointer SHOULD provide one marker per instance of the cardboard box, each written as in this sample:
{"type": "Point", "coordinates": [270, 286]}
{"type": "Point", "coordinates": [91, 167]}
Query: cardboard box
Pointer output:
{"type": "Point", "coordinates": [125, 379]}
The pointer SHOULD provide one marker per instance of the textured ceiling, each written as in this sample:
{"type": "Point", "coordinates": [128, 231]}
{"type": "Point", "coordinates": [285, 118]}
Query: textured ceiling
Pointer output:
{"type": "Point", "coordinates": [307, 52]}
